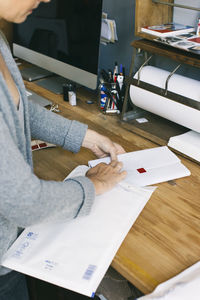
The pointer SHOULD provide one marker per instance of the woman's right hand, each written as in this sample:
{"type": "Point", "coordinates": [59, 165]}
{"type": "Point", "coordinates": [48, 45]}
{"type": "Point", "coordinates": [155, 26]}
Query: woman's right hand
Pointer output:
{"type": "Point", "coordinates": [106, 176]}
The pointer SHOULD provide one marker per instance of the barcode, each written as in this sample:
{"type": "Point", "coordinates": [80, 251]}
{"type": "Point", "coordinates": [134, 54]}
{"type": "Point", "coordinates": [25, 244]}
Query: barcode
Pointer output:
{"type": "Point", "coordinates": [89, 272]}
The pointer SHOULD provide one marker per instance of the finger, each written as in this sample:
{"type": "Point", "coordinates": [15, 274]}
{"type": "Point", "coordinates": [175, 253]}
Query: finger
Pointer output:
{"type": "Point", "coordinates": [116, 165]}
{"type": "Point", "coordinates": [113, 163]}
{"type": "Point", "coordinates": [95, 169]}
{"type": "Point", "coordinates": [121, 176]}
{"type": "Point", "coordinates": [113, 154]}
{"type": "Point", "coordinates": [119, 166]}
{"type": "Point", "coordinates": [119, 149]}
{"type": "Point", "coordinates": [90, 172]}
{"type": "Point", "coordinates": [98, 152]}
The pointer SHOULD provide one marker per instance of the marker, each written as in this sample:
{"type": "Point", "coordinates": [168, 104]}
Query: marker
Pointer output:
{"type": "Point", "coordinates": [115, 78]}
{"type": "Point", "coordinates": [104, 98]}
{"type": "Point", "coordinates": [120, 80]}
{"type": "Point", "coordinates": [115, 70]}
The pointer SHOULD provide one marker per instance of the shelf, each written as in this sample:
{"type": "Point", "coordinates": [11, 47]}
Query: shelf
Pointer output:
{"type": "Point", "coordinates": [157, 129]}
{"type": "Point", "coordinates": [178, 55]}
{"type": "Point", "coordinates": [148, 13]}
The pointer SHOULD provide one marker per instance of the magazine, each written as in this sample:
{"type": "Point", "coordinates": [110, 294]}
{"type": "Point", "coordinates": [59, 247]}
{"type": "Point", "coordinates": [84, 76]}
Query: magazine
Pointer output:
{"type": "Point", "coordinates": [189, 42]}
{"type": "Point", "coordinates": [195, 39]}
{"type": "Point", "coordinates": [169, 29]}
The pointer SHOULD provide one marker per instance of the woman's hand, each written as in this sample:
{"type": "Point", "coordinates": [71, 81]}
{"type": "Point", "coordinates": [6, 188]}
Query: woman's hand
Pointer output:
{"type": "Point", "coordinates": [101, 145]}
{"type": "Point", "coordinates": [106, 176]}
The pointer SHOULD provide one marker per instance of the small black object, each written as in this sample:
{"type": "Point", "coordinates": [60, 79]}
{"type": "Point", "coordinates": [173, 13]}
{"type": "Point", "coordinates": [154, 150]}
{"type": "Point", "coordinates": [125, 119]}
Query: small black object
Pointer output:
{"type": "Point", "coordinates": [67, 87]}
{"type": "Point", "coordinates": [65, 91]}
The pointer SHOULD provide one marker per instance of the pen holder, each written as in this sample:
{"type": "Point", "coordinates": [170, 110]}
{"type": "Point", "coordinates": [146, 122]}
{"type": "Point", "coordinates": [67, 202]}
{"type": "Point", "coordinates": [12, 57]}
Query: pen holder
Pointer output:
{"type": "Point", "coordinates": [109, 98]}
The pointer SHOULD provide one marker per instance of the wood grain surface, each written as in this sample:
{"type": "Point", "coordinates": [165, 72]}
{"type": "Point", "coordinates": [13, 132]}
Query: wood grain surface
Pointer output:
{"type": "Point", "coordinates": [148, 13]}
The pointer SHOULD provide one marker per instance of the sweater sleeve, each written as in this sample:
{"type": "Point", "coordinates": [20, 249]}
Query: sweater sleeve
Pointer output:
{"type": "Point", "coordinates": [50, 127]}
{"type": "Point", "coordinates": [27, 200]}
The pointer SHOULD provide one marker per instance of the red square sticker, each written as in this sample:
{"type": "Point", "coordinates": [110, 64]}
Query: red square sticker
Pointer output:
{"type": "Point", "coordinates": [34, 147]}
{"type": "Point", "coordinates": [42, 145]}
{"type": "Point", "coordinates": [141, 170]}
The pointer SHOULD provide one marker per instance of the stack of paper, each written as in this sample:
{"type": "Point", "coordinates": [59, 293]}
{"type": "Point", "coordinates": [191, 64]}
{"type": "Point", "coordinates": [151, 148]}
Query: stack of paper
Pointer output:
{"type": "Point", "coordinates": [77, 254]}
{"type": "Point", "coordinates": [187, 143]}
{"type": "Point", "coordinates": [149, 166]}
{"type": "Point", "coordinates": [169, 29]}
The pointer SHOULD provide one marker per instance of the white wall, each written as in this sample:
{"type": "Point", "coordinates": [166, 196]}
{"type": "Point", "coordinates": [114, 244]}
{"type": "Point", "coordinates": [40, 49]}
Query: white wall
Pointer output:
{"type": "Point", "coordinates": [187, 16]}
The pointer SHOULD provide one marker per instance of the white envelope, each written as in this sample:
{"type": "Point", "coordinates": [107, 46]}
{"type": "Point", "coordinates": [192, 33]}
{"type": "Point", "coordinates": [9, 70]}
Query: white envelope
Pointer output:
{"type": "Point", "coordinates": [76, 254]}
{"type": "Point", "coordinates": [183, 286]}
{"type": "Point", "coordinates": [149, 166]}
{"type": "Point", "coordinates": [187, 143]}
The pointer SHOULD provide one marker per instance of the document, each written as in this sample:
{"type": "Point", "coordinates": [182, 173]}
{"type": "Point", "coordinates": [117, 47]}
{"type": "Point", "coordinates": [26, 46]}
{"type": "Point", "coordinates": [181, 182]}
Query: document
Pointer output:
{"type": "Point", "coordinates": [105, 30]}
{"type": "Point", "coordinates": [187, 143]}
{"type": "Point", "coordinates": [76, 254]}
{"type": "Point", "coordinates": [149, 166]}
{"type": "Point", "coordinates": [108, 31]}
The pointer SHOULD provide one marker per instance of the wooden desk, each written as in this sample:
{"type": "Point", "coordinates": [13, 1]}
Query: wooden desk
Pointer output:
{"type": "Point", "coordinates": [165, 239]}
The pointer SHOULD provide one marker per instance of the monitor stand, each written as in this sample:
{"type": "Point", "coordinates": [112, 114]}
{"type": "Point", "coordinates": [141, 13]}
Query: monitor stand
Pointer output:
{"type": "Point", "coordinates": [34, 73]}
{"type": "Point", "coordinates": [53, 84]}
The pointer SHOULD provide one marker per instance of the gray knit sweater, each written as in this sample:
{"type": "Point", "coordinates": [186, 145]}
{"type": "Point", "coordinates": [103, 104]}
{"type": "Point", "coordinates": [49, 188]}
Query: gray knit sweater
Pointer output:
{"type": "Point", "coordinates": [24, 198]}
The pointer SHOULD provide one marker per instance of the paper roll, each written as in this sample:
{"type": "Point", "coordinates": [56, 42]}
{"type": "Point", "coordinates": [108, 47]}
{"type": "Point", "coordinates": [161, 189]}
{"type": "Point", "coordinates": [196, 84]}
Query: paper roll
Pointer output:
{"type": "Point", "coordinates": [164, 107]}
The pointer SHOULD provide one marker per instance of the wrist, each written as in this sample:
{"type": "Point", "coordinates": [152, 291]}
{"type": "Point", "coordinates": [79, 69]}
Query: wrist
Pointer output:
{"type": "Point", "coordinates": [89, 140]}
{"type": "Point", "coordinates": [97, 184]}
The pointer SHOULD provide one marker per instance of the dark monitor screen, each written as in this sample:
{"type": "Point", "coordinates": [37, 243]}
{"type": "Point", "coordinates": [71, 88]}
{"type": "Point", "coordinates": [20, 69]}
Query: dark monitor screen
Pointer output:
{"type": "Point", "coordinates": [65, 30]}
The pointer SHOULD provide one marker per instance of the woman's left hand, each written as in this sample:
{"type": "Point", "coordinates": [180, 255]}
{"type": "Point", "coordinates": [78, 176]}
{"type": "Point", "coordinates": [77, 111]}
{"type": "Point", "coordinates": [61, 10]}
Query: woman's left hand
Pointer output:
{"type": "Point", "coordinates": [101, 145]}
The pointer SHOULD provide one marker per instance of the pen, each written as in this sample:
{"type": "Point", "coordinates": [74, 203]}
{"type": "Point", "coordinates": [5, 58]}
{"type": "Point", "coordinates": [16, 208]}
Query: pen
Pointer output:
{"type": "Point", "coordinates": [124, 71]}
{"type": "Point", "coordinates": [110, 76]}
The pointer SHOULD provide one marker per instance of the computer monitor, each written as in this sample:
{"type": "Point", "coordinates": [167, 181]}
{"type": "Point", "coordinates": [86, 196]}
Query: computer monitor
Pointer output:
{"type": "Point", "coordinates": [63, 37]}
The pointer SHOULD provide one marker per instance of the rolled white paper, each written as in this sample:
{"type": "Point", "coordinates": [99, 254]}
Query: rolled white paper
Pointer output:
{"type": "Point", "coordinates": [164, 107]}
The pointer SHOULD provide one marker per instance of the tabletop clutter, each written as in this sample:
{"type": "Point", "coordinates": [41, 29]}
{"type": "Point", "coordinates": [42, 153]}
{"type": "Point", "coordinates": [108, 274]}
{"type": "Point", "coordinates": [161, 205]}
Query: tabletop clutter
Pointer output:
{"type": "Point", "coordinates": [112, 89]}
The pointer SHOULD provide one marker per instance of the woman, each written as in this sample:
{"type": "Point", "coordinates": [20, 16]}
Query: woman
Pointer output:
{"type": "Point", "coordinates": [24, 198]}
